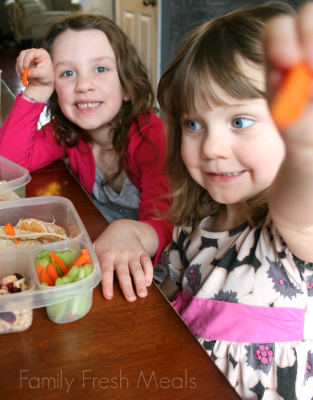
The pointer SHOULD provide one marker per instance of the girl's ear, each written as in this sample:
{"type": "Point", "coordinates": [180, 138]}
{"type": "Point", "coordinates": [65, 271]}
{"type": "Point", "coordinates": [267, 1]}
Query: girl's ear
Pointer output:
{"type": "Point", "coordinates": [126, 96]}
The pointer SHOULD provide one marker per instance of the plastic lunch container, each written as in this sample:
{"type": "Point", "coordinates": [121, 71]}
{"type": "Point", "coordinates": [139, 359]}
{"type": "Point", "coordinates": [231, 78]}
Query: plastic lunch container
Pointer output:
{"type": "Point", "coordinates": [15, 178]}
{"type": "Point", "coordinates": [63, 303]}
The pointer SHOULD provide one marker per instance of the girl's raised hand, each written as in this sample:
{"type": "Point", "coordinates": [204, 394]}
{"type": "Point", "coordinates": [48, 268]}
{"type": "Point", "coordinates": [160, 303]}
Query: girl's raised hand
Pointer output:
{"type": "Point", "coordinates": [289, 50]}
{"type": "Point", "coordinates": [288, 42]}
{"type": "Point", "coordinates": [40, 74]}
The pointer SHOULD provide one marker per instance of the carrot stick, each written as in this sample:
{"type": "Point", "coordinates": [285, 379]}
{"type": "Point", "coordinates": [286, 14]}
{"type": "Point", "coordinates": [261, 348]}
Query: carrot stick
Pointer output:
{"type": "Point", "coordinates": [51, 271]}
{"type": "Point", "coordinates": [49, 281]}
{"type": "Point", "coordinates": [84, 251]}
{"type": "Point", "coordinates": [292, 96]}
{"type": "Point", "coordinates": [59, 261]}
{"type": "Point", "coordinates": [39, 268]}
{"type": "Point", "coordinates": [9, 229]}
{"type": "Point", "coordinates": [44, 277]}
{"type": "Point", "coordinates": [16, 241]}
{"type": "Point", "coordinates": [81, 260]}
{"type": "Point", "coordinates": [24, 79]}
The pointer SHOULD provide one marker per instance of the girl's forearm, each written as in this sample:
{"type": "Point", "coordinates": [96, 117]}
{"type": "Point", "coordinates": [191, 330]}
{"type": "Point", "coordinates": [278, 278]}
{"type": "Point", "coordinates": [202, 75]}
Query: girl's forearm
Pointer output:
{"type": "Point", "coordinates": [290, 199]}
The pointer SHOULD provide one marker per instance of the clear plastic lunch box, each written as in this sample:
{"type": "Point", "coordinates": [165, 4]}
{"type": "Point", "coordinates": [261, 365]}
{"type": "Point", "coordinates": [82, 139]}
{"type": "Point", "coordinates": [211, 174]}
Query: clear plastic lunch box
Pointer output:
{"type": "Point", "coordinates": [13, 180]}
{"type": "Point", "coordinates": [64, 303]}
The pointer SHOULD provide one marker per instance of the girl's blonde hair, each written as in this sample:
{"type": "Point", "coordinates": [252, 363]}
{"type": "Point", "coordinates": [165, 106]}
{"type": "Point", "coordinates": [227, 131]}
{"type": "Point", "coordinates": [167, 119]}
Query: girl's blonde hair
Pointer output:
{"type": "Point", "coordinates": [132, 74]}
{"type": "Point", "coordinates": [211, 52]}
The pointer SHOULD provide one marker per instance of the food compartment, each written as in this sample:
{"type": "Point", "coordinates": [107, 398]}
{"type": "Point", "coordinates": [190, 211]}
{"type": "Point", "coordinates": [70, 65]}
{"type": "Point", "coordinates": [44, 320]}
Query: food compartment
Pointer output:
{"type": "Point", "coordinates": [14, 268]}
{"type": "Point", "coordinates": [13, 180]}
{"type": "Point", "coordinates": [70, 288]}
{"type": "Point", "coordinates": [70, 310]}
{"type": "Point", "coordinates": [50, 209]}
{"type": "Point", "coordinates": [72, 300]}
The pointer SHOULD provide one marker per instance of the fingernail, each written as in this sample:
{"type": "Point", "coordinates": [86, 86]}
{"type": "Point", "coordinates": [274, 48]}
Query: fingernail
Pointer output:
{"type": "Point", "coordinates": [148, 283]}
{"type": "Point", "coordinates": [109, 295]}
{"type": "Point", "coordinates": [130, 294]}
{"type": "Point", "coordinates": [143, 290]}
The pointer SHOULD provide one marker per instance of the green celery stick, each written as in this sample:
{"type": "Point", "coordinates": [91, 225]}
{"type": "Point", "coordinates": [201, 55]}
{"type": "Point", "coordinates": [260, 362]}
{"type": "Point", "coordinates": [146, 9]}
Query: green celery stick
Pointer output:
{"type": "Point", "coordinates": [67, 279]}
{"type": "Point", "coordinates": [73, 272]}
{"type": "Point", "coordinates": [43, 253]}
{"type": "Point", "coordinates": [58, 282]}
{"type": "Point", "coordinates": [81, 274]}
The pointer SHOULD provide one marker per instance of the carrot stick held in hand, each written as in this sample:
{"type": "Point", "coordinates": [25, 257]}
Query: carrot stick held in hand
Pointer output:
{"type": "Point", "coordinates": [24, 79]}
{"type": "Point", "coordinates": [292, 96]}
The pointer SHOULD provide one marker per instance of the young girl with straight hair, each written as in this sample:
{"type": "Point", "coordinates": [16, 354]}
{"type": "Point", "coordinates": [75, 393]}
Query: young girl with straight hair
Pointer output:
{"type": "Point", "coordinates": [101, 106]}
{"type": "Point", "coordinates": [240, 265]}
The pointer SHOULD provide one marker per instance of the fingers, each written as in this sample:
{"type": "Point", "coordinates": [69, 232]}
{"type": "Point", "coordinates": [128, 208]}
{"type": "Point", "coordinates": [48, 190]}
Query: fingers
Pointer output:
{"type": "Point", "coordinates": [306, 31]}
{"type": "Point", "coordinates": [142, 272]}
{"type": "Point", "coordinates": [128, 270]}
{"type": "Point", "coordinates": [281, 42]}
{"type": "Point", "coordinates": [107, 281]}
{"type": "Point", "coordinates": [289, 39]}
{"type": "Point", "coordinates": [30, 59]}
{"type": "Point", "coordinates": [123, 275]}
{"type": "Point", "coordinates": [147, 268]}
{"type": "Point", "coordinates": [121, 250]}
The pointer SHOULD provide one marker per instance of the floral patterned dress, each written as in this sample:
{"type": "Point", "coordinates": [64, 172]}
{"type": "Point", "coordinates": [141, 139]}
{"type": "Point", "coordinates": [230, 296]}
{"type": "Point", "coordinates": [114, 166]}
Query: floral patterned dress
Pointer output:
{"type": "Point", "coordinates": [249, 301]}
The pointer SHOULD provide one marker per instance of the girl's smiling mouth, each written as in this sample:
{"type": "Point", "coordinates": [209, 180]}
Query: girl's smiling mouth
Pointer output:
{"type": "Point", "coordinates": [224, 176]}
{"type": "Point", "coordinates": [83, 106]}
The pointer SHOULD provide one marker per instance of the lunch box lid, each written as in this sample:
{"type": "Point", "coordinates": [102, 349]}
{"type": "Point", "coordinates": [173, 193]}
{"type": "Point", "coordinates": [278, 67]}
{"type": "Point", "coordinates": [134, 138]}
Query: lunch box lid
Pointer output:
{"type": "Point", "coordinates": [14, 175]}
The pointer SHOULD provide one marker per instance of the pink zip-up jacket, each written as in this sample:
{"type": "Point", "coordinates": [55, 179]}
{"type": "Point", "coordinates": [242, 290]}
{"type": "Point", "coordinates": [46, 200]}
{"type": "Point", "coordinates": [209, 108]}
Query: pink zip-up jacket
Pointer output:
{"type": "Point", "coordinates": [23, 143]}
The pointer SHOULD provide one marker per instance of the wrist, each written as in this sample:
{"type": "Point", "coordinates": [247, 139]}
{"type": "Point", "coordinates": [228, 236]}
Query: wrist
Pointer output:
{"type": "Point", "coordinates": [31, 99]}
{"type": "Point", "coordinates": [36, 96]}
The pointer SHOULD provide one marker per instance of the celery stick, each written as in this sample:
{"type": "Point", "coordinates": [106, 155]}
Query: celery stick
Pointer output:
{"type": "Point", "coordinates": [43, 253]}
{"type": "Point", "coordinates": [66, 279]}
{"type": "Point", "coordinates": [81, 273]}
{"type": "Point", "coordinates": [58, 282]}
{"type": "Point", "coordinates": [73, 272]}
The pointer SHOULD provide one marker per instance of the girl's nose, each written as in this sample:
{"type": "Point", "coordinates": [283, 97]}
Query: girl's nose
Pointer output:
{"type": "Point", "coordinates": [84, 83]}
{"type": "Point", "coordinates": [215, 145]}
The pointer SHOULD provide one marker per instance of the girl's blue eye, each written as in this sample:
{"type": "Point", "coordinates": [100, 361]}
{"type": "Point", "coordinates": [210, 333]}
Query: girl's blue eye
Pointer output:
{"type": "Point", "coordinates": [101, 69]}
{"type": "Point", "coordinates": [241, 123]}
{"type": "Point", "coordinates": [193, 125]}
{"type": "Point", "coordinates": [68, 73]}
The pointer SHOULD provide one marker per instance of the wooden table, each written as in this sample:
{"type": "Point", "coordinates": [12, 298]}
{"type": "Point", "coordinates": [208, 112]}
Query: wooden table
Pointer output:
{"type": "Point", "coordinates": [140, 350]}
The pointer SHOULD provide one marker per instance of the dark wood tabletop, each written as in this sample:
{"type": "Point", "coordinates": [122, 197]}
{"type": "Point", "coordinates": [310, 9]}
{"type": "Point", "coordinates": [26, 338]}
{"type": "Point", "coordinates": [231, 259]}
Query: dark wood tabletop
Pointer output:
{"type": "Point", "coordinates": [140, 350]}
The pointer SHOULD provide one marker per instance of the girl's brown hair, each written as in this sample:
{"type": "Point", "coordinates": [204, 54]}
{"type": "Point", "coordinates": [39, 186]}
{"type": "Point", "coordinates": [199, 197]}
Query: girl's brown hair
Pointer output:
{"type": "Point", "coordinates": [211, 52]}
{"type": "Point", "coordinates": [132, 74]}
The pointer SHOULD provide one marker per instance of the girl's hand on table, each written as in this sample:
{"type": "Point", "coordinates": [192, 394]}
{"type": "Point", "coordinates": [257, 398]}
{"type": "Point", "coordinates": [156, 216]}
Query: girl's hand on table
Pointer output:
{"type": "Point", "coordinates": [120, 248]}
{"type": "Point", "coordinates": [40, 74]}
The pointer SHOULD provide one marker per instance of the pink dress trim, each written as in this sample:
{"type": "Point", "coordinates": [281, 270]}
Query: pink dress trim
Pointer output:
{"type": "Point", "coordinates": [219, 320]}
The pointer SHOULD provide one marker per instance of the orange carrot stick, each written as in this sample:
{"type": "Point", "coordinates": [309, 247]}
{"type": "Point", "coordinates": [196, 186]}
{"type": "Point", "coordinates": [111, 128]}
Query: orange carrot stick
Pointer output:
{"type": "Point", "coordinates": [51, 271]}
{"type": "Point", "coordinates": [81, 260]}
{"type": "Point", "coordinates": [9, 229]}
{"type": "Point", "coordinates": [45, 278]}
{"type": "Point", "coordinates": [59, 261]}
{"type": "Point", "coordinates": [39, 268]}
{"type": "Point", "coordinates": [292, 96]}
{"type": "Point", "coordinates": [24, 79]}
{"type": "Point", "coordinates": [84, 251]}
